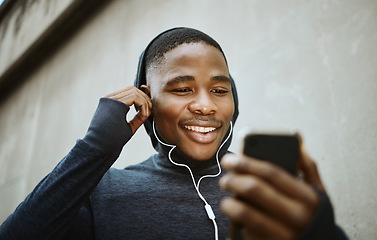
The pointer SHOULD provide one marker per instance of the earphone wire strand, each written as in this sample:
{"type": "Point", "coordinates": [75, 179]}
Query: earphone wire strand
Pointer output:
{"type": "Point", "coordinates": [196, 185]}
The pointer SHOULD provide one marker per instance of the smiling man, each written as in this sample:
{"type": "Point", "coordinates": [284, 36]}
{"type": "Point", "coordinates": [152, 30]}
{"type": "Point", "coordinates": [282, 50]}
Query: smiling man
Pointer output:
{"type": "Point", "coordinates": [188, 103]}
{"type": "Point", "coordinates": [192, 99]}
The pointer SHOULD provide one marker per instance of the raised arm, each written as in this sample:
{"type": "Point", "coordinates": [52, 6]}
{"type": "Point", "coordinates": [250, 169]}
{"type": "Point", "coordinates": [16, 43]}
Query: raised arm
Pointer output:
{"type": "Point", "coordinates": [59, 199]}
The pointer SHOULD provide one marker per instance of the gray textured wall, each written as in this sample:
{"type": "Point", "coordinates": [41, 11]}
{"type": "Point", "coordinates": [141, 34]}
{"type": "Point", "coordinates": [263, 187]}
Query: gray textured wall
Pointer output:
{"type": "Point", "coordinates": [304, 65]}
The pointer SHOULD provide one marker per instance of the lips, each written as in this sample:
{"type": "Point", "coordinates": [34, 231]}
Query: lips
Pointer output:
{"type": "Point", "coordinates": [200, 129]}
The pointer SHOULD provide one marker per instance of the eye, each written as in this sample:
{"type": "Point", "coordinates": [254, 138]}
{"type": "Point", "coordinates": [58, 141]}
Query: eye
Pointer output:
{"type": "Point", "coordinates": [220, 91]}
{"type": "Point", "coordinates": [182, 91]}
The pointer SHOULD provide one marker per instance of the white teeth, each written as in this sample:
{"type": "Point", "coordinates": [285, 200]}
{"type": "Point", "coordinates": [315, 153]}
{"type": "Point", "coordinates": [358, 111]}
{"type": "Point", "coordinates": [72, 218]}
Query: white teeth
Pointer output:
{"type": "Point", "coordinates": [200, 129]}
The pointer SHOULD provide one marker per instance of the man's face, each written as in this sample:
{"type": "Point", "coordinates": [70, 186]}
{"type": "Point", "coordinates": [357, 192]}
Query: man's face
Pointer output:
{"type": "Point", "coordinates": [192, 99]}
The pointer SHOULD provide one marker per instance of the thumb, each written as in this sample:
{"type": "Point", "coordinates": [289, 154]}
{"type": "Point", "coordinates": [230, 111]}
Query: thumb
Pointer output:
{"type": "Point", "coordinates": [140, 117]}
{"type": "Point", "coordinates": [310, 171]}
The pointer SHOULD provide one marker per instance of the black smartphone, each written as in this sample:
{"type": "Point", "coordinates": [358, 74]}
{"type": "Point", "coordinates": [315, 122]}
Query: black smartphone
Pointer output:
{"type": "Point", "coordinates": [280, 149]}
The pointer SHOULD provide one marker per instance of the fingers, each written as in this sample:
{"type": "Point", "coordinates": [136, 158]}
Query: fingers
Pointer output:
{"type": "Point", "coordinates": [134, 96]}
{"type": "Point", "coordinates": [138, 120]}
{"type": "Point", "coordinates": [254, 221]}
{"type": "Point", "coordinates": [264, 197]}
{"type": "Point", "coordinates": [265, 194]}
{"type": "Point", "coordinates": [310, 171]}
{"type": "Point", "coordinates": [271, 174]}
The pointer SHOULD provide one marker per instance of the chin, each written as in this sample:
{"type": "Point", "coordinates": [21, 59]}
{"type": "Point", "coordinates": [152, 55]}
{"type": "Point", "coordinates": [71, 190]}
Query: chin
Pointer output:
{"type": "Point", "coordinates": [201, 152]}
{"type": "Point", "coordinates": [201, 155]}
{"type": "Point", "coordinates": [201, 159]}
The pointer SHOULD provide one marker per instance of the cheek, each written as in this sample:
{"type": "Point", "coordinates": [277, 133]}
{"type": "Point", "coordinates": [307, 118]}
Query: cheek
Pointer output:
{"type": "Point", "coordinates": [228, 114]}
{"type": "Point", "coordinates": [227, 109]}
{"type": "Point", "coordinates": [166, 115]}
{"type": "Point", "coordinates": [167, 111]}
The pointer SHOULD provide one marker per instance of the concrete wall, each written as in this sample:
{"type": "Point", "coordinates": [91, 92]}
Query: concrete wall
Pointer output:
{"type": "Point", "coordinates": [304, 65]}
{"type": "Point", "coordinates": [23, 25]}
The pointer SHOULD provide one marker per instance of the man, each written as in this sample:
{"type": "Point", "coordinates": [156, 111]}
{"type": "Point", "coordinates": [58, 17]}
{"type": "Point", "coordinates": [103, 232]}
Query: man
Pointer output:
{"type": "Point", "coordinates": [188, 104]}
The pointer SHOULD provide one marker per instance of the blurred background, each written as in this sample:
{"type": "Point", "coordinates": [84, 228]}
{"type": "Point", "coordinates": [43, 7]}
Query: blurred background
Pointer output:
{"type": "Point", "coordinates": [308, 66]}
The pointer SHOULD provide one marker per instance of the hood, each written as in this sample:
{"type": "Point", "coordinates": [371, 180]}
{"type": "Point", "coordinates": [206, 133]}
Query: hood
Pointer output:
{"type": "Point", "coordinates": [141, 80]}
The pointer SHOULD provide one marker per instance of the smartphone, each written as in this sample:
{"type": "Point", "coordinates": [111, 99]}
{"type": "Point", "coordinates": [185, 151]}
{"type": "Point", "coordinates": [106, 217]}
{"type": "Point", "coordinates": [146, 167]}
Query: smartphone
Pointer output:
{"type": "Point", "coordinates": [280, 149]}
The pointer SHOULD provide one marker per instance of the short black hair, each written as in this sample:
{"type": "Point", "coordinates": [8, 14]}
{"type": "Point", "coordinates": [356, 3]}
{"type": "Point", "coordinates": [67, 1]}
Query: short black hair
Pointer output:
{"type": "Point", "coordinates": [174, 38]}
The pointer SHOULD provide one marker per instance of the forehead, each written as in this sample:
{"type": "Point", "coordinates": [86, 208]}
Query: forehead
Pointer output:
{"type": "Point", "coordinates": [189, 59]}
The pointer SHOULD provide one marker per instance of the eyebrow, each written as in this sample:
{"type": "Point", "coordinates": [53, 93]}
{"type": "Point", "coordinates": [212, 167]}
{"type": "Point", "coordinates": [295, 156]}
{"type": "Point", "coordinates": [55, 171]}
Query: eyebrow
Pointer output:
{"type": "Point", "coordinates": [221, 78]}
{"type": "Point", "coordinates": [188, 78]}
{"type": "Point", "coordinates": [179, 79]}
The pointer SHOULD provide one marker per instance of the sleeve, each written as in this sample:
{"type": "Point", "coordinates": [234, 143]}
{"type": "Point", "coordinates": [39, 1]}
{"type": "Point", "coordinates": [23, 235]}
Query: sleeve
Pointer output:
{"type": "Point", "coordinates": [323, 224]}
{"type": "Point", "coordinates": [56, 207]}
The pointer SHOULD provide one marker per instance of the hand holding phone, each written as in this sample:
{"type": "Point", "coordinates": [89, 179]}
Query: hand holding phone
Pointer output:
{"type": "Point", "coordinates": [268, 200]}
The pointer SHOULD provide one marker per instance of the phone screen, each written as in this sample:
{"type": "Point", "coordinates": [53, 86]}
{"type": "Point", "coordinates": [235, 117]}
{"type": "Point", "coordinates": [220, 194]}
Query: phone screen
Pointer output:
{"type": "Point", "coordinates": [282, 150]}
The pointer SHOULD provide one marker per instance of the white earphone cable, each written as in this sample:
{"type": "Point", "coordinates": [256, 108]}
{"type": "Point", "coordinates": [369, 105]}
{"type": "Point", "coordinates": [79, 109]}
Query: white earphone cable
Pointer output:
{"type": "Point", "coordinates": [207, 207]}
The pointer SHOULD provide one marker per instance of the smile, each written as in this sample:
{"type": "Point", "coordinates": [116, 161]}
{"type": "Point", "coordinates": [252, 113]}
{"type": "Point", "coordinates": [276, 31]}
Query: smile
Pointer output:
{"type": "Point", "coordinates": [200, 129]}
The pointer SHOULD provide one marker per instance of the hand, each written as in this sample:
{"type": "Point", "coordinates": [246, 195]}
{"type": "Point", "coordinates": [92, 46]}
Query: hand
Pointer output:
{"type": "Point", "coordinates": [134, 96]}
{"type": "Point", "coordinates": [268, 202]}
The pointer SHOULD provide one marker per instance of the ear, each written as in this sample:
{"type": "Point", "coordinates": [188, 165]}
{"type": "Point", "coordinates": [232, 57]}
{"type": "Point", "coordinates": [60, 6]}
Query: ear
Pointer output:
{"type": "Point", "coordinates": [146, 89]}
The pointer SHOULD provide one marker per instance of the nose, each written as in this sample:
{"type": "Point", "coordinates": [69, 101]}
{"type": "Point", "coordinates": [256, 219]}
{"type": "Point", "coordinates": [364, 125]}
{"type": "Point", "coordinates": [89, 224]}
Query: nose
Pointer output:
{"type": "Point", "coordinates": [203, 103]}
